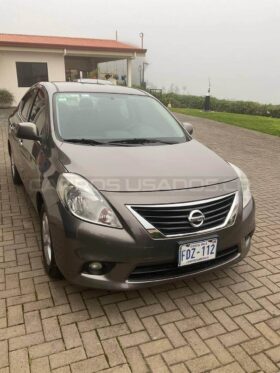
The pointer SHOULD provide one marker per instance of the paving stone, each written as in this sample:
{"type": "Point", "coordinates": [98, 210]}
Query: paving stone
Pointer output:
{"type": "Point", "coordinates": [224, 321]}
{"type": "Point", "coordinates": [202, 363]}
{"type": "Point", "coordinates": [41, 365]}
{"type": "Point", "coordinates": [91, 343]}
{"type": "Point", "coordinates": [19, 361]}
{"type": "Point", "coordinates": [113, 352]}
{"type": "Point", "coordinates": [4, 357]}
{"type": "Point", "coordinates": [93, 364]}
{"type": "Point", "coordinates": [136, 360]}
{"type": "Point", "coordinates": [178, 355]}
{"type": "Point", "coordinates": [26, 341]}
{"type": "Point", "coordinates": [51, 329]}
{"type": "Point", "coordinates": [155, 347]}
{"type": "Point", "coordinates": [67, 357]}
{"type": "Point", "coordinates": [71, 336]}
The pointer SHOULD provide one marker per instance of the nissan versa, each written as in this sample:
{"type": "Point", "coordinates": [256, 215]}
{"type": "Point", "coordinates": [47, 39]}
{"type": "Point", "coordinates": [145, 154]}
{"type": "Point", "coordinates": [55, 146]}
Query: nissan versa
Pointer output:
{"type": "Point", "coordinates": [126, 196]}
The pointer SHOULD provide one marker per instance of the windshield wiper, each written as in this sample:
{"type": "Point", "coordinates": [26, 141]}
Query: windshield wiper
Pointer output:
{"type": "Point", "coordinates": [140, 141]}
{"type": "Point", "coordinates": [127, 141]}
{"type": "Point", "coordinates": [85, 141]}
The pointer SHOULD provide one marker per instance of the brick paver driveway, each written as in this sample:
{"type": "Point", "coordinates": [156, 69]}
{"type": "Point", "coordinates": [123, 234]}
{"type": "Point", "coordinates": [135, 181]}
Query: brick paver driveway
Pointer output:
{"type": "Point", "coordinates": [227, 321]}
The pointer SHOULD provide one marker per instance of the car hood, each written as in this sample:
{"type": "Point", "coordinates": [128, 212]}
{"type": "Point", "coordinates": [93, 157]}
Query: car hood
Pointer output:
{"type": "Point", "coordinates": [146, 168]}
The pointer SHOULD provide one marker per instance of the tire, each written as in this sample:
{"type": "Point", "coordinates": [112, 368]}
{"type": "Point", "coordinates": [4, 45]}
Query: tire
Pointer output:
{"type": "Point", "coordinates": [15, 175]}
{"type": "Point", "coordinates": [47, 247]}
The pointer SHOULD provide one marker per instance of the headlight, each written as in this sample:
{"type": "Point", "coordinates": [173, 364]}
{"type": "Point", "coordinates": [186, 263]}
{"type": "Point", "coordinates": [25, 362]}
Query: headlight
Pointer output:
{"type": "Point", "coordinates": [84, 201]}
{"type": "Point", "coordinates": [245, 185]}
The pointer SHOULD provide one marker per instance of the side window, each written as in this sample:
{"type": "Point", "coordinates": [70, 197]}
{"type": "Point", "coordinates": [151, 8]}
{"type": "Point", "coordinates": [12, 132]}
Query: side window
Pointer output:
{"type": "Point", "coordinates": [40, 119]}
{"type": "Point", "coordinates": [26, 103]}
{"type": "Point", "coordinates": [29, 73]}
{"type": "Point", "coordinates": [38, 104]}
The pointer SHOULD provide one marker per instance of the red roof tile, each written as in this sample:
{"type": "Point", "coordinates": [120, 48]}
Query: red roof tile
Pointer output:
{"type": "Point", "coordinates": [38, 41]}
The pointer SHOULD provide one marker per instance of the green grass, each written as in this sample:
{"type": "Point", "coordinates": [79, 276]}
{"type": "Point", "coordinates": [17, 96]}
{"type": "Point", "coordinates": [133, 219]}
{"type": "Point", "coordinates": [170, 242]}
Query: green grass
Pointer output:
{"type": "Point", "coordinates": [252, 122]}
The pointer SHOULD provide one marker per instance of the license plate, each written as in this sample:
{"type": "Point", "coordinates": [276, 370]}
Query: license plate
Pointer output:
{"type": "Point", "coordinates": [199, 251]}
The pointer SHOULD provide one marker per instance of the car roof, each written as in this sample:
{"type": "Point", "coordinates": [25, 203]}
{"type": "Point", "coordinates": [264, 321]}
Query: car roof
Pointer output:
{"type": "Point", "coordinates": [94, 81]}
{"type": "Point", "coordinates": [53, 87]}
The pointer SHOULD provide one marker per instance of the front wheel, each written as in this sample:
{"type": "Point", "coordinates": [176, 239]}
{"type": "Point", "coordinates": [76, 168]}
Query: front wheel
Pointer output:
{"type": "Point", "coordinates": [47, 247]}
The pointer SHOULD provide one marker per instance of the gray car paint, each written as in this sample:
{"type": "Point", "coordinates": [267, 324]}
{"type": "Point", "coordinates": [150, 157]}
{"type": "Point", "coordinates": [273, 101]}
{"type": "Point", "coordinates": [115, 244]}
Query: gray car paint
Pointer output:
{"type": "Point", "coordinates": [187, 162]}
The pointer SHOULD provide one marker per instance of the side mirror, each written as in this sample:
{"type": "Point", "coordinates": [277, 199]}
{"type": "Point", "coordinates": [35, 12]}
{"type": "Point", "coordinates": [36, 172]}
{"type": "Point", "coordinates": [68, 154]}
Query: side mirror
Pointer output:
{"type": "Point", "coordinates": [188, 127]}
{"type": "Point", "coordinates": [27, 131]}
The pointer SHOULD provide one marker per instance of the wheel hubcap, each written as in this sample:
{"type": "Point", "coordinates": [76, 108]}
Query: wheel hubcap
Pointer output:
{"type": "Point", "coordinates": [47, 250]}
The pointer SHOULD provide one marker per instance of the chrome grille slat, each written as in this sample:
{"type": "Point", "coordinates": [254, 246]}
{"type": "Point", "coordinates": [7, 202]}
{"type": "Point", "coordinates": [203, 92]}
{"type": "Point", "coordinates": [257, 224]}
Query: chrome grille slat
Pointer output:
{"type": "Point", "coordinates": [182, 223]}
{"type": "Point", "coordinates": [190, 227]}
{"type": "Point", "coordinates": [183, 208]}
{"type": "Point", "coordinates": [224, 210]}
{"type": "Point", "coordinates": [153, 211]}
{"type": "Point", "coordinates": [225, 207]}
{"type": "Point", "coordinates": [172, 219]}
{"type": "Point", "coordinates": [223, 213]}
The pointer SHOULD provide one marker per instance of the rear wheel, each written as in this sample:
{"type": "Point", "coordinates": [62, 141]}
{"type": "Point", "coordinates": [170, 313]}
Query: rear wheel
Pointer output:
{"type": "Point", "coordinates": [15, 175]}
{"type": "Point", "coordinates": [47, 247]}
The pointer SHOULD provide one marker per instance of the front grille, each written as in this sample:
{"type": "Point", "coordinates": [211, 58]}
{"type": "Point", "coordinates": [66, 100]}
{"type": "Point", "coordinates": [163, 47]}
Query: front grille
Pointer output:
{"type": "Point", "coordinates": [165, 270]}
{"type": "Point", "coordinates": [173, 219]}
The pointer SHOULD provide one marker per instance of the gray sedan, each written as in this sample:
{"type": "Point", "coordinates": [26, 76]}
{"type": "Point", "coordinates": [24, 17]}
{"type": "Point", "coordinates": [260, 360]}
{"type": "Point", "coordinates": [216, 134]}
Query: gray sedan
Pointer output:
{"type": "Point", "coordinates": [126, 197]}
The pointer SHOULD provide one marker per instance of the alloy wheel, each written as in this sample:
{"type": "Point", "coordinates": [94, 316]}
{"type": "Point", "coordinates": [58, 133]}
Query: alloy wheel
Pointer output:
{"type": "Point", "coordinates": [46, 238]}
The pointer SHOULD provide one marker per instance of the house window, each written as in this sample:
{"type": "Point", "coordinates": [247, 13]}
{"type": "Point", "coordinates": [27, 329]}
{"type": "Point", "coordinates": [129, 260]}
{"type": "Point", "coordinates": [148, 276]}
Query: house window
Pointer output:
{"type": "Point", "coordinates": [29, 73]}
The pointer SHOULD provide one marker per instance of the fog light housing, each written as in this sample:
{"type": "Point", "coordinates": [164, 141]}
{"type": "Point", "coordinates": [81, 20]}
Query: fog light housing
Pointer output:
{"type": "Point", "coordinates": [97, 268]}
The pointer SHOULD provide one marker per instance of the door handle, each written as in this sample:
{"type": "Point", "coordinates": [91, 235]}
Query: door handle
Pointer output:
{"type": "Point", "coordinates": [20, 142]}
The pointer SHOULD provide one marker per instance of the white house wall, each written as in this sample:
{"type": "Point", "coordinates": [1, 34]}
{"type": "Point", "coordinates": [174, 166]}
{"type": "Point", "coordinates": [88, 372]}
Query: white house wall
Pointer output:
{"type": "Point", "coordinates": [8, 73]}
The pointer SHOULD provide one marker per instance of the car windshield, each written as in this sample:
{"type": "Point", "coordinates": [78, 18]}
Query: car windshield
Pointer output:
{"type": "Point", "coordinates": [115, 118]}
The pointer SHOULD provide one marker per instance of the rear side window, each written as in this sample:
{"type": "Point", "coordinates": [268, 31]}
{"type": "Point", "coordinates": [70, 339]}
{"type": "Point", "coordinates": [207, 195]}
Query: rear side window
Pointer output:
{"type": "Point", "coordinates": [40, 119]}
{"type": "Point", "coordinates": [38, 104]}
{"type": "Point", "coordinates": [26, 103]}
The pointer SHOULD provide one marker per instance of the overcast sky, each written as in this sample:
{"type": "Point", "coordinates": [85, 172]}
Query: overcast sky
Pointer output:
{"type": "Point", "coordinates": [234, 42]}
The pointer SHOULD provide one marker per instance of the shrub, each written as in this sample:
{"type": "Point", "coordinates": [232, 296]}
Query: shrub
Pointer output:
{"type": "Point", "coordinates": [219, 105]}
{"type": "Point", "coordinates": [6, 97]}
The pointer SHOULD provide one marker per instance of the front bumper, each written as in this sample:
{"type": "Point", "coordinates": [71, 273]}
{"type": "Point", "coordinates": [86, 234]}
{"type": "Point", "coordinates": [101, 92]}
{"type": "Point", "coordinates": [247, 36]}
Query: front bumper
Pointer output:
{"type": "Point", "coordinates": [77, 242]}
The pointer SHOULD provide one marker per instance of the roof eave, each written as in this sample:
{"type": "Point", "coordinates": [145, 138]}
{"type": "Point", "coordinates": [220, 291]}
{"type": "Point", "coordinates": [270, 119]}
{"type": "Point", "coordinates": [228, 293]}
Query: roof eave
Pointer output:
{"type": "Point", "coordinates": [63, 46]}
